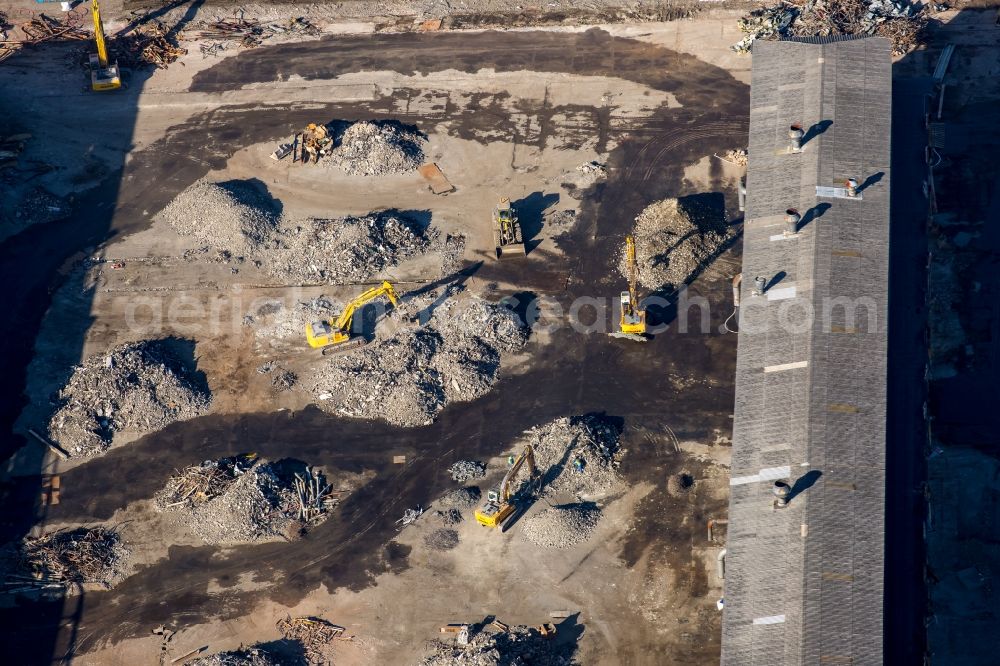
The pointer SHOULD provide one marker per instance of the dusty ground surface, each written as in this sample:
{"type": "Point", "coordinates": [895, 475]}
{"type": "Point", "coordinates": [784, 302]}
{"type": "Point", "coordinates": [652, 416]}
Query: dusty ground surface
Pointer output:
{"type": "Point", "coordinates": [510, 114]}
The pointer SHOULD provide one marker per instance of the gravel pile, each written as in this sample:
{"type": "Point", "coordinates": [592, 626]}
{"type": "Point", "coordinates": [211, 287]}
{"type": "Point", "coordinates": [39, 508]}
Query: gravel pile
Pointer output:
{"type": "Point", "coordinates": [257, 505]}
{"type": "Point", "coordinates": [461, 498]}
{"type": "Point", "coordinates": [233, 216]}
{"type": "Point", "coordinates": [519, 645]}
{"type": "Point", "coordinates": [243, 657]}
{"type": "Point", "coordinates": [467, 470]}
{"type": "Point", "coordinates": [346, 250]}
{"type": "Point", "coordinates": [561, 526]}
{"type": "Point", "coordinates": [378, 149]}
{"type": "Point", "coordinates": [589, 438]}
{"type": "Point", "coordinates": [441, 539]}
{"type": "Point", "coordinates": [408, 379]}
{"type": "Point", "coordinates": [674, 238]}
{"type": "Point", "coordinates": [139, 387]}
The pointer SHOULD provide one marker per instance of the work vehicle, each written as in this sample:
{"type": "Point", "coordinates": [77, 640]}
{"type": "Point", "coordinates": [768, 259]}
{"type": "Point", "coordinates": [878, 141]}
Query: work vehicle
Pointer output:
{"type": "Point", "coordinates": [103, 75]}
{"type": "Point", "coordinates": [499, 505]}
{"type": "Point", "coordinates": [316, 142]}
{"type": "Point", "coordinates": [633, 317]}
{"type": "Point", "coordinates": [507, 234]}
{"type": "Point", "coordinates": [335, 335]}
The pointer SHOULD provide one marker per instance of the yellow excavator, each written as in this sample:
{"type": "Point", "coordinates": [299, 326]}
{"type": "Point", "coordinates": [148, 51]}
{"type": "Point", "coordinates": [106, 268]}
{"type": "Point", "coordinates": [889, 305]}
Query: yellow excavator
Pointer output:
{"type": "Point", "coordinates": [633, 320]}
{"type": "Point", "coordinates": [499, 505]}
{"type": "Point", "coordinates": [335, 335]}
{"type": "Point", "coordinates": [507, 234]}
{"type": "Point", "coordinates": [103, 74]}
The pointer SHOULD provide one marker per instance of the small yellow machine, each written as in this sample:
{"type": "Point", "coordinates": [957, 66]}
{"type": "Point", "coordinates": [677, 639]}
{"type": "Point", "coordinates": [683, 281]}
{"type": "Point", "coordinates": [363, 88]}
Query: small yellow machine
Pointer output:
{"type": "Point", "coordinates": [507, 234]}
{"type": "Point", "coordinates": [103, 75]}
{"type": "Point", "coordinates": [336, 335]}
{"type": "Point", "coordinates": [633, 320]}
{"type": "Point", "coordinates": [499, 506]}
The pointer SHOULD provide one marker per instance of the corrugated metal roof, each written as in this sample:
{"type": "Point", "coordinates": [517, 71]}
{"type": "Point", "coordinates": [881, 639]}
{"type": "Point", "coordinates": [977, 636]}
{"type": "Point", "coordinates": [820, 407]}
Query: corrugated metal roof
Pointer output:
{"type": "Point", "coordinates": [804, 583]}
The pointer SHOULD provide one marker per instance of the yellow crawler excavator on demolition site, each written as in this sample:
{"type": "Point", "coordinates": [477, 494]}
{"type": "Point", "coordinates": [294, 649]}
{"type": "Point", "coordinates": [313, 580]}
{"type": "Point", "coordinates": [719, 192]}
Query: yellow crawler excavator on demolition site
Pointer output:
{"type": "Point", "coordinates": [633, 319]}
{"type": "Point", "coordinates": [335, 335]}
{"type": "Point", "coordinates": [499, 505]}
{"type": "Point", "coordinates": [103, 75]}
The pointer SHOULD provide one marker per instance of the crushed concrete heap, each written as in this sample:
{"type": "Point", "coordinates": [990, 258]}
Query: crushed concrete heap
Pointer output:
{"type": "Point", "coordinates": [461, 498]}
{"type": "Point", "coordinates": [675, 238]}
{"type": "Point", "coordinates": [408, 379]}
{"type": "Point", "coordinates": [138, 387]}
{"type": "Point", "coordinates": [378, 149]}
{"type": "Point", "coordinates": [346, 250]}
{"type": "Point", "coordinates": [233, 216]}
{"type": "Point", "coordinates": [561, 526]}
{"type": "Point", "coordinates": [276, 321]}
{"type": "Point", "coordinates": [82, 555]}
{"type": "Point", "coordinates": [518, 645]}
{"type": "Point", "coordinates": [251, 656]}
{"type": "Point", "coordinates": [238, 500]}
{"type": "Point", "coordinates": [589, 439]}
{"type": "Point", "coordinates": [467, 470]}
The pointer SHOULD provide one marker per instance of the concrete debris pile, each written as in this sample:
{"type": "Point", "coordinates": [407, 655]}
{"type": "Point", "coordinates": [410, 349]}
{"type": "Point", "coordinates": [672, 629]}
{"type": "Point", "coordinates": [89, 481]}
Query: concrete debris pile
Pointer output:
{"type": "Point", "coordinates": [901, 23]}
{"type": "Point", "coordinates": [245, 500]}
{"type": "Point", "coordinates": [675, 238]}
{"type": "Point", "coordinates": [461, 498]}
{"type": "Point", "coordinates": [251, 656]}
{"type": "Point", "coordinates": [561, 526]}
{"type": "Point", "coordinates": [314, 635]}
{"type": "Point", "coordinates": [577, 455]}
{"type": "Point", "coordinates": [82, 555]}
{"type": "Point", "coordinates": [408, 379]}
{"type": "Point", "coordinates": [347, 250]}
{"type": "Point", "coordinates": [234, 217]}
{"type": "Point", "coordinates": [518, 645]}
{"type": "Point", "coordinates": [139, 387]}
{"type": "Point", "coordinates": [378, 149]}
{"type": "Point", "coordinates": [738, 157]}
{"type": "Point", "coordinates": [467, 470]}
{"type": "Point", "coordinates": [441, 539]}
{"type": "Point", "coordinates": [276, 320]}
{"type": "Point", "coordinates": [559, 222]}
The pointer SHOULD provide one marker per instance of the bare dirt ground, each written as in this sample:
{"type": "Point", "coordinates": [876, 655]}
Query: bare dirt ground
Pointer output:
{"type": "Point", "coordinates": [505, 114]}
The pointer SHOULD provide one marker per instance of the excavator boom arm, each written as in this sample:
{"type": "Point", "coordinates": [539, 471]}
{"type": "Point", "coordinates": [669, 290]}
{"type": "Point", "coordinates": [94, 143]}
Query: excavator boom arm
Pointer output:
{"type": "Point", "coordinates": [343, 322]}
{"type": "Point", "coordinates": [507, 486]}
{"type": "Point", "coordinates": [630, 261]}
{"type": "Point", "coordinates": [102, 49]}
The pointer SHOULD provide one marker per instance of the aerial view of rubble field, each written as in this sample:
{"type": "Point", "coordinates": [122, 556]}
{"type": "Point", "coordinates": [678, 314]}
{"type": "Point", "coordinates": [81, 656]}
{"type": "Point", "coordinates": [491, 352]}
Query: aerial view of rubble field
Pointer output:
{"type": "Point", "coordinates": [391, 332]}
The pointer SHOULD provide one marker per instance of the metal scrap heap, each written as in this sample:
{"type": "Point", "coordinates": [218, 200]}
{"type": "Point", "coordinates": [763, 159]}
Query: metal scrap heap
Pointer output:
{"type": "Point", "coordinates": [901, 23]}
{"type": "Point", "coordinates": [82, 555]}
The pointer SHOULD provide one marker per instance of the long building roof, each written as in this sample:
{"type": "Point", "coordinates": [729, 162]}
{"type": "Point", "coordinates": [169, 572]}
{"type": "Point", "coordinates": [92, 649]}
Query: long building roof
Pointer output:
{"type": "Point", "coordinates": [804, 583]}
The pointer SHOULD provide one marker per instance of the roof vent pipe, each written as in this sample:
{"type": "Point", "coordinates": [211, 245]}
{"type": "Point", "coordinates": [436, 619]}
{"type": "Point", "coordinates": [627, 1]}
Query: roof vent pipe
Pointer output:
{"type": "Point", "coordinates": [795, 135]}
{"type": "Point", "coordinates": [792, 218]}
{"type": "Point", "coordinates": [852, 187]}
{"type": "Point", "coordinates": [781, 491]}
{"type": "Point", "coordinates": [759, 283]}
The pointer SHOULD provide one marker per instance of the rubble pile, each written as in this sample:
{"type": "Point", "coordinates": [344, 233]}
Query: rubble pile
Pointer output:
{"type": "Point", "coordinates": [148, 45]}
{"type": "Point", "coordinates": [901, 23]}
{"type": "Point", "coordinates": [243, 657]}
{"type": "Point", "coordinates": [577, 455]}
{"type": "Point", "coordinates": [441, 539]}
{"type": "Point", "coordinates": [313, 634]}
{"type": "Point", "coordinates": [518, 645]}
{"type": "Point", "coordinates": [449, 517]}
{"type": "Point", "coordinates": [82, 555]}
{"type": "Point", "coordinates": [245, 500]}
{"type": "Point", "coordinates": [561, 526]}
{"type": "Point", "coordinates": [738, 156]}
{"type": "Point", "coordinates": [408, 379]}
{"type": "Point", "coordinates": [467, 470]}
{"type": "Point", "coordinates": [674, 238]}
{"type": "Point", "coordinates": [378, 149]}
{"type": "Point", "coordinates": [275, 321]}
{"type": "Point", "coordinates": [346, 250]}
{"type": "Point", "coordinates": [138, 387]}
{"type": "Point", "coordinates": [234, 216]}
{"type": "Point", "coordinates": [461, 498]}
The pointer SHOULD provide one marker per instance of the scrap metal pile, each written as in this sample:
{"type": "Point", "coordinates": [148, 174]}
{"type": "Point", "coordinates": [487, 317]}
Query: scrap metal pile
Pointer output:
{"type": "Point", "coordinates": [561, 526]}
{"type": "Point", "coordinates": [82, 555]}
{"type": "Point", "coordinates": [37, 29]}
{"type": "Point", "coordinates": [517, 645]}
{"type": "Point", "coordinates": [313, 634]}
{"type": "Point", "coordinates": [901, 23]}
{"type": "Point", "coordinates": [378, 149]}
{"type": "Point", "coordinates": [467, 470]}
{"type": "Point", "coordinates": [578, 455]}
{"type": "Point", "coordinates": [675, 238]}
{"type": "Point", "coordinates": [408, 379]}
{"type": "Point", "coordinates": [246, 500]}
{"type": "Point", "coordinates": [250, 33]}
{"type": "Point", "coordinates": [139, 387]}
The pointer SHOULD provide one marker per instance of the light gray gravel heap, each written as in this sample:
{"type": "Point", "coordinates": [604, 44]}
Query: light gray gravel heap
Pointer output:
{"type": "Point", "coordinates": [139, 387]}
{"type": "Point", "coordinates": [243, 657]}
{"type": "Point", "coordinates": [674, 239]}
{"type": "Point", "coordinates": [377, 149]}
{"type": "Point", "coordinates": [346, 250]}
{"type": "Point", "coordinates": [467, 470]}
{"type": "Point", "coordinates": [518, 646]}
{"type": "Point", "coordinates": [559, 443]}
{"type": "Point", "coordinates": [233, 216]}
{"type": "Point", "coordinates": [408, 379]}
{"type": "Point", "coordinates": [462, 498]}
{"type": "Point", "coordinates": [561, 526]}
{"type": "Point", "coordinates": [441, 539]}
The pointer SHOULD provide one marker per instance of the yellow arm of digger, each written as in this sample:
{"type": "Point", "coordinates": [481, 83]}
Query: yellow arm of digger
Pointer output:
{"type": "Point", "coordinates": [630, 261]}
{"type": "Point", "coordinates": [343, 322]}
{"type": "Point", "coordinates": [102, 49]}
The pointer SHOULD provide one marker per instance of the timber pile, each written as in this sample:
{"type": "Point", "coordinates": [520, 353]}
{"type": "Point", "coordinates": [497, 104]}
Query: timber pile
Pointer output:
{"type": "Point", "coordinates": [42, 28]}
{"type": "Point", "coordinates": [147, 45]}
{"type": "Point", "coordinates": [314, 634]}
{"type": "Point", "coordinates": [198, 484]}
{"type": "Point", "coordinates": [82, 555]}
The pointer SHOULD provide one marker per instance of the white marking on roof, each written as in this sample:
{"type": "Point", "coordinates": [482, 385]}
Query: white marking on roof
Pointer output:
{"type": "Point", "coordinates": [770, 619]}
{"type": "Point", "coordinates": [766, 474]}
{"type": "Point", "coordinates": [781, 294]}
{"type": "Point", "coordinates": [781, 237]}
{"type": "Point", "coordinates": [785, 366]}
{"type": "Point", "coordinates": [836, 193]}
